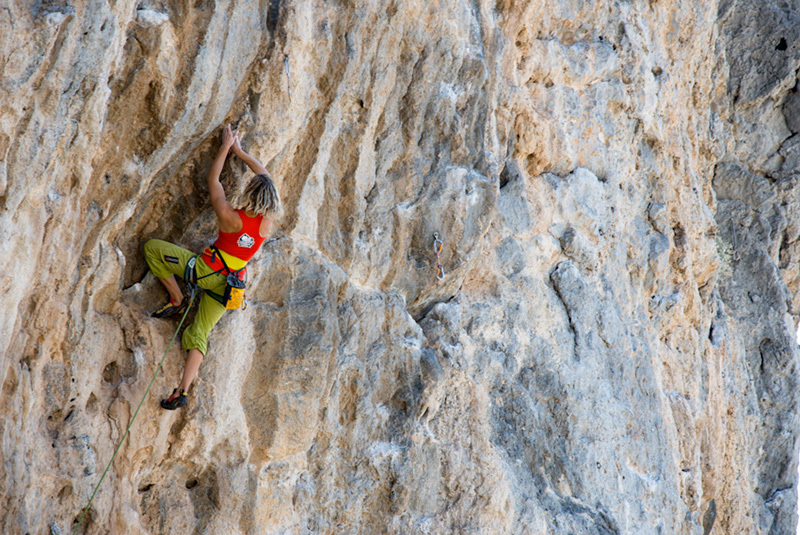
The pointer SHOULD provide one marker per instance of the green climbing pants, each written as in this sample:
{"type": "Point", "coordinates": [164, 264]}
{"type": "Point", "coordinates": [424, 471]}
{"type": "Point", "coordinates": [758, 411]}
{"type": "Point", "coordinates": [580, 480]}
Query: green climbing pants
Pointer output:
{"type": "Point", "coordinates": [166, 259]}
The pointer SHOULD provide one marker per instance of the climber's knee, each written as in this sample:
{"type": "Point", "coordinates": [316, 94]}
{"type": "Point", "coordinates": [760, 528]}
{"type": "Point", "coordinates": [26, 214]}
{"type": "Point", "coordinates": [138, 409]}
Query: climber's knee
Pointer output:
{"type": "Point", "coordinates": [194, 338]}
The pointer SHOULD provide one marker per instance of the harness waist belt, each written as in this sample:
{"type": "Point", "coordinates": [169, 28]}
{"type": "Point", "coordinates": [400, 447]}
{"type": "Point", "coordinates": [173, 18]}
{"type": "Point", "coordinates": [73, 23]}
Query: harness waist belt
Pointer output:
{"type": "Point", "coordinates": [213, 260]}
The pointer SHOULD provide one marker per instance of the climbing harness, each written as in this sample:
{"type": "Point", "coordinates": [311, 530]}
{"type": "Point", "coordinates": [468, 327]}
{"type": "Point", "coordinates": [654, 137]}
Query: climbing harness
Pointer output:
{"type": "Point", "coordinates": [736, 255]}
{"type": "Point", "coordinates": [133, 418]}
{"type": "Point", "coordinates": [233, 297]}
{"type": "Point", "coordinates": [437, 248]}
{"type": "Point", "coordinates": [288, 80]}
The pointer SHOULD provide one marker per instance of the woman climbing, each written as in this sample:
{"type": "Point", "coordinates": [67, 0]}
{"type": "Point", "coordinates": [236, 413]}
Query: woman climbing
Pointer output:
{"type": "Point", "coordinates": [241, 232]}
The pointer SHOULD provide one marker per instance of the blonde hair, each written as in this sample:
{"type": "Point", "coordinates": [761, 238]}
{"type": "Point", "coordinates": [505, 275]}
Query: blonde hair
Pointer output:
{"type": "Point", "coordinates": [261, 197]}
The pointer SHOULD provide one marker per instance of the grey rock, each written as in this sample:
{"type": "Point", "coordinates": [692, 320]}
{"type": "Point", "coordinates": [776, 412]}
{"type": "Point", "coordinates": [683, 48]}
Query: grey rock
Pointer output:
{"type": "Point", "coordinates": [658, 216]}
{"type": "Point", "coordinates": [580, 305]}
{"type": "Point", "coordinates": [734, 182]}
{"type": "Point", "coordinates": [579, 248]}
{"type": "Point", "coordinates": [512, 204]}
{"type": "Point", "coordinates": [791, 110]}
{"type": "Point", "coordinates": [761, 45]}
{"type": "Point", "coordinates": [750, 215]}
{"type": "Point", "coordinates": [510, 256]}
{"type": "Point", "coordinates": [709, 517]}
{"type": "Point", "coordinates": [658, 257]}
{"type": "Point", "coordinates": [790, 152]}
{"type": "Point", "coordinates": [432, 370]}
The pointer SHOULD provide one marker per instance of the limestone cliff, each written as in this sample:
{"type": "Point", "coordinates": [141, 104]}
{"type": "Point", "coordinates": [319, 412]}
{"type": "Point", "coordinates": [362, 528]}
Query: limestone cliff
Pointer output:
{"type": "Point", "coordinates": [612, 349]}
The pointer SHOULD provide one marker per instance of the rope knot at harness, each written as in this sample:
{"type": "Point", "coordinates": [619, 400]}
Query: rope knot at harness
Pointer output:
{"type": "Point", "coordinates": [437, 248]}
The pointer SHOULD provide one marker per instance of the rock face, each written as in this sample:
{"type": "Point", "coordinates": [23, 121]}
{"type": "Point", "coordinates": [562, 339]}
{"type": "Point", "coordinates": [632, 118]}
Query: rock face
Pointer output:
{"type": "Point", "coordinates": [612, 349]}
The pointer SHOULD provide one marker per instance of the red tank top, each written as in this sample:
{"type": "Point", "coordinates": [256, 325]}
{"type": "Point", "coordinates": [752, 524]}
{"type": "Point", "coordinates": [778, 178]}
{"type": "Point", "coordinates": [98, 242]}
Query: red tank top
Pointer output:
{"type": "Point", "coordinates": [245, 243]}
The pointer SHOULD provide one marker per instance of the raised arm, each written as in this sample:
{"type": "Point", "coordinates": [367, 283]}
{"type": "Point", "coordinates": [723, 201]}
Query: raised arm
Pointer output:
{"type": "Point", "coordinates": [254, 165]}
{"type": "Point", "coordinates": [229, 220]}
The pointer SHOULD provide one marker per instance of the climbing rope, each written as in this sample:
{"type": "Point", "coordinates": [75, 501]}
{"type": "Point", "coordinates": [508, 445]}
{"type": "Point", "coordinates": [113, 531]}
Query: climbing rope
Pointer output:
{"type": "Point", "coordinates": [437, 248]}
{"type": "Point", "coordinates": [169, 346]}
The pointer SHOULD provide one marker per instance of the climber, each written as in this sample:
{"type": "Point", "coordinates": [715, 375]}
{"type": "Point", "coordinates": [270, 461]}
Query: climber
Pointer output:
{"type": "Point", "coordinates": [242, 230]}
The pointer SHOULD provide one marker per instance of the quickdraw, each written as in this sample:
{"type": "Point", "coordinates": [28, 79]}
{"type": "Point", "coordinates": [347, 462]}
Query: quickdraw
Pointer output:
{"type": "Point", "coordinates": [288, 80]}
{"type": "Point", "coordinates": [437, 248]}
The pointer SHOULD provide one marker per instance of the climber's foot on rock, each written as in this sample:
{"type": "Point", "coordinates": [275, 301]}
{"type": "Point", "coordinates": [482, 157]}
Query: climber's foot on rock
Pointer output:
{"type": "Point", "coordinates": [169, 309]}
{"type": "Point", "coordinates": [175, 401]}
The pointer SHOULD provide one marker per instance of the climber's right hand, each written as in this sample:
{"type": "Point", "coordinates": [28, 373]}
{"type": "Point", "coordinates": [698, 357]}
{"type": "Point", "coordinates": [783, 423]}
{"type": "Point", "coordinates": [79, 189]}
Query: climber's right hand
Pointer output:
{"type": "Point", "coordinates": [228, 137]}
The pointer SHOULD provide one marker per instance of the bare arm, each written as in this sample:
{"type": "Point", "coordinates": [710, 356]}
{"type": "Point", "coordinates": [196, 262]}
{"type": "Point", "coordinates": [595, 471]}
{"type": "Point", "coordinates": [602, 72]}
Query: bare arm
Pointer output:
{"type": "Point", "coordinates": [251, 162]}
{"type": "Point", "coordinates": [229, 220]}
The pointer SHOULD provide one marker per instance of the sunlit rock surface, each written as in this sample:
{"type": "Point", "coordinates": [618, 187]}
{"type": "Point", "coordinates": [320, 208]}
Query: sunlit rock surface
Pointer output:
{"type": "Point", "coordinates": [611, 350]}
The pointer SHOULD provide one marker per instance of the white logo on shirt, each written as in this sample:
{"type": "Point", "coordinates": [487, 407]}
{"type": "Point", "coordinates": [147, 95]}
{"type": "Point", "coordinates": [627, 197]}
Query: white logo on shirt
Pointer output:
{"type": "Point", "coordinates": [245, 241]}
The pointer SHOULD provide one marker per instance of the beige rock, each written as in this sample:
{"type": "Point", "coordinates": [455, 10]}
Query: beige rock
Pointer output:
{"type": "Point", "coordinates": [612, 349]}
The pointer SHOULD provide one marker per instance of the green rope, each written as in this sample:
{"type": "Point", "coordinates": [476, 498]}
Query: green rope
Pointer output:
{"type": "Point", "coordinates": [85, 509]}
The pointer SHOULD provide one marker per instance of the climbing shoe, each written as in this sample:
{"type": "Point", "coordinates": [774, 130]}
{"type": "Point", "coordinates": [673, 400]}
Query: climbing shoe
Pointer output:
{"type": "Point", "coordinates": [168, 309]}
{"type": "Point", "coordinates": [175, 401]}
